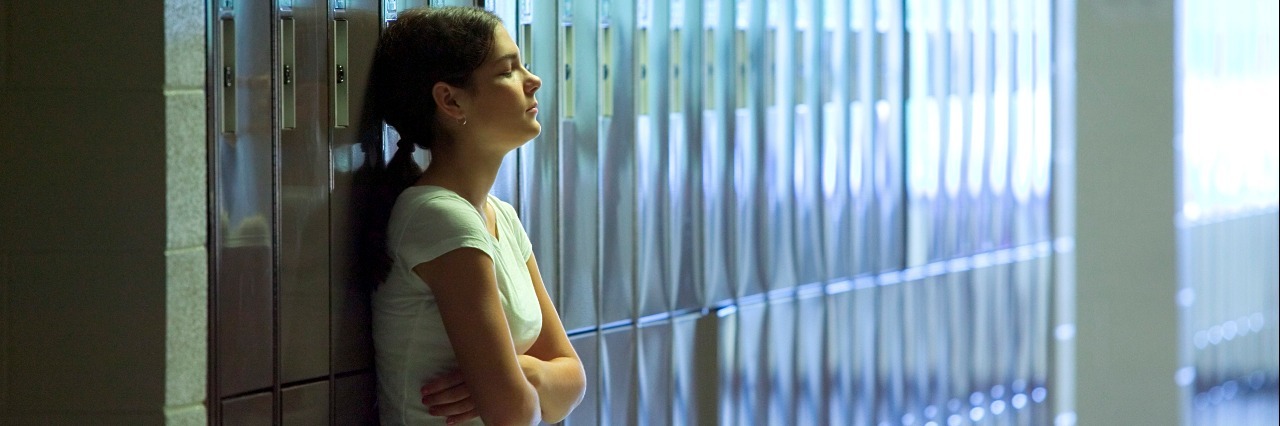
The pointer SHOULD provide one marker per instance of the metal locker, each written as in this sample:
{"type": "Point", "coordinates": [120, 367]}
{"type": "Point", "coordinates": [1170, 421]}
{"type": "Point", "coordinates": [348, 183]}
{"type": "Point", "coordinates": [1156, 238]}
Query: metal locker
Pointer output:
{"type": "Point", "coordinates": [1040, 337]}
{"type": "Point", "coordinates": [1042, 138]}
{"type": "Point", "coordinates": [714, 177]}
{"type": "Point", "coordinates": [619, 387]}
{"type": "Point", "coordinates": [685, 368]}
{"type": "Point", "coordinates": [1003, 122]}
{"type": "Point", "coordinates": [780, 321]}
{"type": "Point", "coordinates": [933, 339]}
{"type": "Point", "coordinates": [579, 167]}
{"type": "Point", "coordinates": [961, 122]}
{"type": "Point", "coordinates": [978, 191]}
{"type": "Point", "coordinates": [779, 203]}
{"type": "Point", "coordinates": [305, 404]}
{"type": "Point", "coordinates": [865, 361]}
{"type": "Point", "coordinates": [354, 31]}
{"type": "Point", "coordinates": [1023, 146]}
{"type": "Point", "coordinates": [926, 121]}
{"type": "Point", "coordinates": [750, 392]}
{"type": "Point", "coordinates": [242, 238]}
{"type": "Point", "coordinates": [839, 346]}
{"type": "Point", "coordinates": [834, 88]}
{"type": "Point", "coordinates": [249, 410]}
{"type": "Point", "coordinates": [912, 321]}
{"type": "Point", "coordinates": [812, 374]}
{"type": "Point", "coordinates": [807, 142]}
{"type": "Point", "coordinates": [861, 150]}
{"type": "Point", "coordinates": [890, 380]}
{"type": "Point", "coordinates": [955, 131]}
{"type": "Point", "coordinates": [684, 267]}
{"type": "Point", "coordinates": [889, 247]}
{"type": "Point", "coordinates": [617, 168]}
{"type": "Point", "coordinates": [301, 78]}
{"type": "Point", "coordinates": [984, 346]}
{"type": "Point", "coordinates": [589, 411]}
{"type": "Point", "coordinates": [747, 148]}
{"type": "Point", "coordinates": [962, 347]}
{"type": "Point", "coordinates": [651, 242]}
{"type": "Point", "coordinates": [655, 376]}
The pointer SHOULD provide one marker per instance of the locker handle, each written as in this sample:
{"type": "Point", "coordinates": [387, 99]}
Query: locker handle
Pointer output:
{"type": "Point", "coordinates": [341, 93]}
{"type": "Point", "coordinates": [228, 95]}
{"type": "Point", "coordinates": [288, 90]}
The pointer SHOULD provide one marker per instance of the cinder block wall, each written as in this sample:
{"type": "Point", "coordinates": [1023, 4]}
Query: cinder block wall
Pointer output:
{"type": "Point", "coordinates": [103, 177]}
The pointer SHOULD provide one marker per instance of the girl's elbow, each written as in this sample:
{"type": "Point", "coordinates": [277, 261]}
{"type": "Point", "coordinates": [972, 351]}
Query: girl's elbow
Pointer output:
{"type": "Point", "coordinates": [522, 410]}
{"type": "Point", "coordinates": [580, 384]}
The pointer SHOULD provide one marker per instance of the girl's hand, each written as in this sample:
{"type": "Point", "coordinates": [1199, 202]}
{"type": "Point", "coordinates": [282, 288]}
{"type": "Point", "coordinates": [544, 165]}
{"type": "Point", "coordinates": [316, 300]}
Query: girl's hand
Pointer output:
{"type": "Point", "coordinates": [447, 396]}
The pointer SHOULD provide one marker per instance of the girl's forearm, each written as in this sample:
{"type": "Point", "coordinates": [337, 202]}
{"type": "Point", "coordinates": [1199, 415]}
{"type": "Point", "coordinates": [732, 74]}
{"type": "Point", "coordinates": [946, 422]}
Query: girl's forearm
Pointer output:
{"type": "Point", "coordinates": [560, 384]}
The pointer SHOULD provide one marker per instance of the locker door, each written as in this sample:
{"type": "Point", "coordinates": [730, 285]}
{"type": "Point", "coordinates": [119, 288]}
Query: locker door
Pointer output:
{"type": "Point", "coordinates": [617, 167]}
{"type": "Point", "coordinates": [714, 179]}
{"type": "Point", "coordinates": [244, 270]}
{"type": "Point", "coordinates": [579, 166]}
{"type": "Point", "coordinates": [301, 83]}
{"type": "Point", "coordinates": [779, 203]}
{"type": "Point", "coordinates": [684, 267]}
{"type": "Point", "coordinates": [1002, 126]}
{"type": "Point", "coordinates": [353, 34]}
{"type": "Point", "coordinates": [807, 142]}
{"type": "Point", "coordinates": [926, 120]}
{"type": "Point", "coordinates": [835, 67]}
{"type": "Point", "coordinates": [889, 243]}
{"type": "Point", "coordinates": [747, 164]}
{"type": "Point", "coordinates": [861, 116]}
{"type": "Point", "coordinates": [651, 167]}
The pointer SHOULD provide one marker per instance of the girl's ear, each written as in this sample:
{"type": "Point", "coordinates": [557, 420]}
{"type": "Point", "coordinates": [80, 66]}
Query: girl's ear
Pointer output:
{"type": "Point", "coordinates": [447, 100]}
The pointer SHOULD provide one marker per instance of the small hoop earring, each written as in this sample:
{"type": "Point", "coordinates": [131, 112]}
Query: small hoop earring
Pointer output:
{"type": "Point", "coordinates": [462, 121]}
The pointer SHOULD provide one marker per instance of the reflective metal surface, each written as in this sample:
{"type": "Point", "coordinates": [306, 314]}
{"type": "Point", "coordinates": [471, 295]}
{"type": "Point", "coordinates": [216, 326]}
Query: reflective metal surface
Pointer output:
{"type": "Point", "coordinates": [245, 230]}
{"type": "Point", "coordinates": [589, 411]}
{"type": "Point", "coordinates": [746, 211]}
{"type": "Point", "coordinates": [579, 165]}
{"type": "Point", "coordinates": [654, 381]}
{"type": "Point", "coordinates": [1229, 294]}
{"type": "Point", "coordinates": [620, 391]}
{"type": "Point", "coordinates": [250, 410]}
{"type": "Point", "coordinates": [305, 404]}
{"type": "Point", "coordinates": [304, 196]}
{"type": "Point", "coordinates": [288, 305]}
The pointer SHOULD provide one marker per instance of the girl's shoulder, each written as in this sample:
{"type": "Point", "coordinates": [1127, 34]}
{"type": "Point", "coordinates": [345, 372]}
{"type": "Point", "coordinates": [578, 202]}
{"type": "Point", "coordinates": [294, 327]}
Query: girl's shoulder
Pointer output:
{"type": "Point", "coordinates": [432, 207]}
{"type": "Point", "coordinates": [504, 208]}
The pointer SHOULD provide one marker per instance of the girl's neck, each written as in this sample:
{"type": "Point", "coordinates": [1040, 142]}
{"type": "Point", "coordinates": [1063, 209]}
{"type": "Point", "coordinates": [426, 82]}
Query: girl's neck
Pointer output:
{"type": "Point", "coordinates": [471, 176]}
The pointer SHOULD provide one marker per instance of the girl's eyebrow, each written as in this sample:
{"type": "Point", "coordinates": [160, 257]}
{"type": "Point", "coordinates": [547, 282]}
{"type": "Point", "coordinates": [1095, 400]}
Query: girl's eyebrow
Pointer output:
{"type": "Point", "coordinates": [509, 56]}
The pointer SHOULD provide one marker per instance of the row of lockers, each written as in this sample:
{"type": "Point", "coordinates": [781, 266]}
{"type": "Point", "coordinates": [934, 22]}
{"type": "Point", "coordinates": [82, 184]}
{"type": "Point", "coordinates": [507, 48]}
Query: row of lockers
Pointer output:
{"type": "Point", "coordinates": [933, 348]}
{"type": "Point", "coordinates": [697, 158]}
{"type": "Point", "coordinates": [938, 348]}
{"type": "Point", "coordinates": [1228, 193]}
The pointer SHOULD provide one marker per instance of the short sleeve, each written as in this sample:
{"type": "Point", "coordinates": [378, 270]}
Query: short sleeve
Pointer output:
{"type": "Point", "coordinates": [431, 226]}
{"type": "Point", "coordinates": [513, 223]}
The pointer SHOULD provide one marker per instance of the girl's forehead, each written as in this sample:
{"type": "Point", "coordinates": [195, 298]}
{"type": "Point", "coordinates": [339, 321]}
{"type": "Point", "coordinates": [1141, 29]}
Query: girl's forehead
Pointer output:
{"type": "Point", "coordinates": [503, 44]}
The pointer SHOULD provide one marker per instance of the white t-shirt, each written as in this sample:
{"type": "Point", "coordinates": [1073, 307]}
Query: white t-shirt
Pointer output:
{"type": "Point", "coordinates": [410, 343]}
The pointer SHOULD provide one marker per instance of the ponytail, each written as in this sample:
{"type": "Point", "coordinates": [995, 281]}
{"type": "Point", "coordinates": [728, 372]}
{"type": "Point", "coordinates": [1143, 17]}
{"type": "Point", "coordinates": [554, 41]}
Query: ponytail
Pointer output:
{"type": "Point", "coordinates": [402, 171]}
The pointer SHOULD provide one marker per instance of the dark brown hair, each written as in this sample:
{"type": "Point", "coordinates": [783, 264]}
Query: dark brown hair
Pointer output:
{"type": "Point", "coordinates": [420, 48]}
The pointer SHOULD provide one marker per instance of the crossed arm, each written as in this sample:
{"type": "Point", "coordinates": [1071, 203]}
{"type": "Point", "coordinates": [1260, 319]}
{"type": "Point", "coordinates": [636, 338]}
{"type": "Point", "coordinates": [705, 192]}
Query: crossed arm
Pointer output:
{"type": "Point", "coordinates": [493, 382]}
